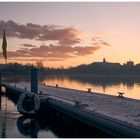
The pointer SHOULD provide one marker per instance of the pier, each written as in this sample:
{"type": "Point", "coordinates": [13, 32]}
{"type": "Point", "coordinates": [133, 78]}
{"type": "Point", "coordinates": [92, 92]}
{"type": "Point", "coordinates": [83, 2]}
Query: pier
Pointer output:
{"type": "Point", "coordinates": [106, 113]}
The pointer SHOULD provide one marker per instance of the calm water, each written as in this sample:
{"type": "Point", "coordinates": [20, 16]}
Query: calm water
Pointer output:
{"type": "Point", "coordinates": [130, 85]}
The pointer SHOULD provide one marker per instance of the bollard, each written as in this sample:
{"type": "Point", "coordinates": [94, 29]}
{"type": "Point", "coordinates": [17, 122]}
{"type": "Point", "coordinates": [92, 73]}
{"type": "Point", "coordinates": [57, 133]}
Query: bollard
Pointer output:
{"type": "Point", "coordinates": [25, 88]}
{"type": "Point", "coordinates": [77, 103]}
{"type": "Point", "coordinates": [89, 90]}
{"type": "Point", "coordinates": [34, 80]}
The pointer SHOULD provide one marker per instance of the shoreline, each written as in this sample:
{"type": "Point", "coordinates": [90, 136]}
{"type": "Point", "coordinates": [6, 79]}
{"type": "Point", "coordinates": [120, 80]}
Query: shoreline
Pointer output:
{"type": "Point", "coordinates": [82, 75]}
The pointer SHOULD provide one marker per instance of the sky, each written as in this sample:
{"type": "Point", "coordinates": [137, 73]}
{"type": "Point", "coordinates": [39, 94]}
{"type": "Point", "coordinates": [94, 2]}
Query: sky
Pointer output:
{"type": "Point", "coordinates": [64, 34]}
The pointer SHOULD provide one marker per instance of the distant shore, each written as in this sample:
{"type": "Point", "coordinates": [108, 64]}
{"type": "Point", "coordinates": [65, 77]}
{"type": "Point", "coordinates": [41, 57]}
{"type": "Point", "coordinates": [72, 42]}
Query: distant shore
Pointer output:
{"type": "Point", "coordinates": [82, 75]}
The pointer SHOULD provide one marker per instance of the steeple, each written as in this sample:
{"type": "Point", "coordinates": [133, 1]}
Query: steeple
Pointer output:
{"type": "Point", "coordinates": [104, 60]}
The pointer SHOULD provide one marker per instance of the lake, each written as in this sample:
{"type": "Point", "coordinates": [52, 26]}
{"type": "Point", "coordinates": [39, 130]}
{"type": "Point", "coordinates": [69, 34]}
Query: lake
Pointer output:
{"type": "Point", "coordinates": [130, 85]}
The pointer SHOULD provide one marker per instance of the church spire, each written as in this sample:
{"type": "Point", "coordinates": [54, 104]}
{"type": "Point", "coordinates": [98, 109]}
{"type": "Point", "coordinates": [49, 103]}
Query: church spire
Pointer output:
{"type": "Point", "coordinates": [104, 60]}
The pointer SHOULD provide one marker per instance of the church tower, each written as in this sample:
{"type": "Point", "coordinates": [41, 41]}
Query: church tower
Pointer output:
{"type": "Point", "coordinates": [104, 61]}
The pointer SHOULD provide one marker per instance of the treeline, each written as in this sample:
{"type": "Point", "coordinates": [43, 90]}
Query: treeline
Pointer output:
{"type": "Point", "coordinates": [19, 69]}
{"type": "Point", "coordinates": [97, 68]}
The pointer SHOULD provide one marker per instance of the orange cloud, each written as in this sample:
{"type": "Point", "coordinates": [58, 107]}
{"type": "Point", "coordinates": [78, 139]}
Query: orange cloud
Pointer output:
{"type": "Point", "coordinates": [104, 43]}
{"type": "Point", "coordinates": [28, 45]}
{"type": "Point", "coordinates": [42, 33]}
{"type": "Point", "coordinates": [67, 42]}
{"type": "Point", "coordinates": [53, 52]}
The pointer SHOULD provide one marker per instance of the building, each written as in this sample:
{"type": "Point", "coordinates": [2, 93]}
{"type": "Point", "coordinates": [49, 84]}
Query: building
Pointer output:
{"type": "Point", "coordinates": [130, 63]}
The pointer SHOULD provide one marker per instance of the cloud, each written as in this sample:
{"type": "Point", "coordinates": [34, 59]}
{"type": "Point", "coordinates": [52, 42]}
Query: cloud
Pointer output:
{"type": "Point", "coordinates": [13, 29]}
{"type": "Point", "coordinates": [102, 33]}
{"type": "Point", "coordinates": [105, 43]}
{"type": "Point", "coordinates": [66, 42]}
{"type": "Point", "coordinates": [53, 52]}
{"type": "Point", "coordinates": [28, 45]}
{"type": "Point", "coordinates": [56, 59]}
{"type": "Point", "coordinates": [65, 36]}
{"type": "Point", "coordinates": [82, 51]}
{"type": "Point", "coordinates": [23, 59]}
{"type": "Point", "coordinates": [98, 42]}
{"type": "Point", "coordinates": [62, 51]}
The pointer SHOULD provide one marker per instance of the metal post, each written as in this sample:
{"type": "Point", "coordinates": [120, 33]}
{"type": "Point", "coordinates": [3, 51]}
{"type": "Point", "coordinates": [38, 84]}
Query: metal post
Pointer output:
{"type": "Point", "coordinates": [34, 80]}
{"type": "Point", "coordinates": [0, 77]}
{"type": "Point", "coordinates": [0, 102]}
{"type": "Point", "coordinates": [0, 91]}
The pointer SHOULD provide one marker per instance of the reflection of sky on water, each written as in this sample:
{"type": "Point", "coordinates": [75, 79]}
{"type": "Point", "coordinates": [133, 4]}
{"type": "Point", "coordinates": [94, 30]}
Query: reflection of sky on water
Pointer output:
{"type": "Point", "coordinates": [106, 85]}
{"type": "Point", "coordinates": [102, 84]}
{"type": "Point", "coordinates": [8, 116]}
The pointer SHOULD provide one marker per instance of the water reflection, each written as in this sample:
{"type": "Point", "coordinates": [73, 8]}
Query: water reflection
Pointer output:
{"type": "Point", "coordinates": [101, 84]}
{"type": "Point", "coordinates": [14, 126]}
{"type": "Point", "coordinates": [4, 121]}
{"type": "Point", "coordinates": [34, 127]}
{"type": "Point", "coordinates": [28, 126]}
{"type": "Point", "coordinates": [55, 125]}
{"type": "Point", "coordinates": [107, 80]}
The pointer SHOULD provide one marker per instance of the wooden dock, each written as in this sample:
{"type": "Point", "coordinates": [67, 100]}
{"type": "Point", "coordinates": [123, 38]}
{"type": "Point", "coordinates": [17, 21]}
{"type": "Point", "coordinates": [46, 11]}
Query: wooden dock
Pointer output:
{"type": "Point", "coordinates": [73, 103]}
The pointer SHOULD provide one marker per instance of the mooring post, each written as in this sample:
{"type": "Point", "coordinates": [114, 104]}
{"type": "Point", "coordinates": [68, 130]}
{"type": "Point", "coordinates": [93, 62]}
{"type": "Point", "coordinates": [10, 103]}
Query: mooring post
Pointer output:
{"type": "Point", "coordinates": [0, 91]}
{"type": "Point", "coordinates": [34, 80]}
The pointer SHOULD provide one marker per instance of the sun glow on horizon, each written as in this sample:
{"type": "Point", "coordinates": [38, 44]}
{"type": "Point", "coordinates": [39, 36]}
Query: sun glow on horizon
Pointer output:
{"type": "Point", "coordinates": [77, 33]}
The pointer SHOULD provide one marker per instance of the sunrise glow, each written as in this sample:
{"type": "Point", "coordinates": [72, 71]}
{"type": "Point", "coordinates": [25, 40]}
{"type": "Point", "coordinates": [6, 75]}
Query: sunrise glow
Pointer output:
{"type": "Point", "coordinates": [69, 34]}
